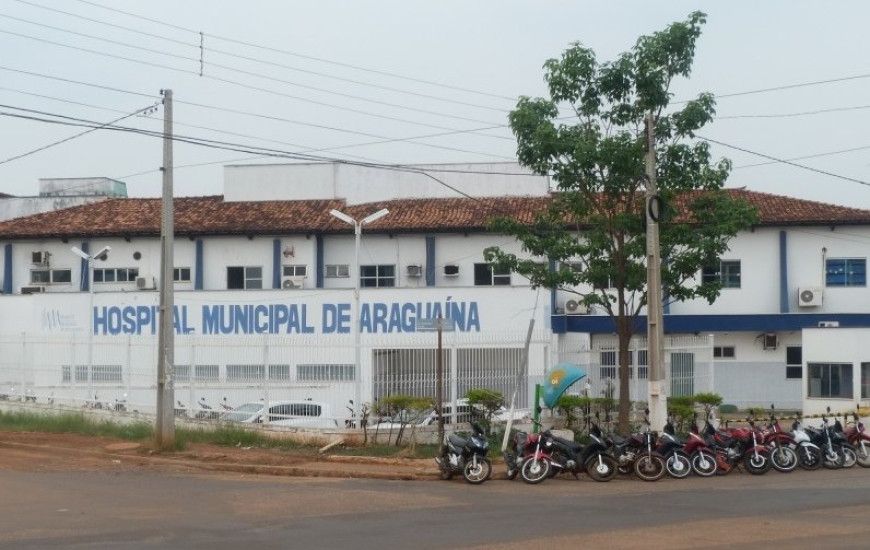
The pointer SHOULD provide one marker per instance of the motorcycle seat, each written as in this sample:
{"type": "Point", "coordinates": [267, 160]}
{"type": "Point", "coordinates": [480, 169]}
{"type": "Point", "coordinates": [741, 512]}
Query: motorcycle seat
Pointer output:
{"type": "Point", "coordinates": [456, 440]}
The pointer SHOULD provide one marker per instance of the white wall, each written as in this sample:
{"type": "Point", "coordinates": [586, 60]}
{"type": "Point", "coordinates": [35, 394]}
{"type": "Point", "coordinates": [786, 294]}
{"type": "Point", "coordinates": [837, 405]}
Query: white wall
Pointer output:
{"type": "Point", "coordinates": [360, 184]}
{"type": "Point", "coordinates": [835, 345]}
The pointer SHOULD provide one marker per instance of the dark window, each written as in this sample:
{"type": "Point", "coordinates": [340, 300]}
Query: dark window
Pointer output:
{"type": "Point", "coordinates": [727, 273]}
{"type": "Point", "coordinates": [487, 275]}
{"type": "Point", "coordinates": [794, 372]}
{"type": "Point", "coordinates": [723, 352]}
{"type": "Point", "coordinates": [794, 362]}
{"type": "Point", "coordinates": [181, 274]}
{"type": "Point", "coordinates": [830, 380]}
{"type": "Point", "coordinates": [377, 276]}
{"type": "Point", "coordinates": [846, 272]}
{"type": "Point", "coordinates": [242, 277]}
{"type": "Point", "coordinates": [865, 380]}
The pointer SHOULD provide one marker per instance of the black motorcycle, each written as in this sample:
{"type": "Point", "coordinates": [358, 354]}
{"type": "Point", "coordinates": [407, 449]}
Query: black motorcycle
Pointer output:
{"type": "Point", "coordinates": [593, 458]}
{"type": "Point", "coordinates": [466, 455]}
{"type": "Point", "coordinates": [677, 462]}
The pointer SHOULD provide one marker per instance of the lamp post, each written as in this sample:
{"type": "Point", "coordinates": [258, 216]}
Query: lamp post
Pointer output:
{"type": "Point", "coordinates": [101, 255]}
{"type": "Point", "coordinates": [357, 375]}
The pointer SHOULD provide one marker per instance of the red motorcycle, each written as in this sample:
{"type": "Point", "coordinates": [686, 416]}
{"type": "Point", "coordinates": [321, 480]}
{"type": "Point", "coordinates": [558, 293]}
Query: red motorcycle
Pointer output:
{"type": "Point", "coordinates": [740, 445]}
{"type": "Point", "coordinates": [529, 456]}
{"type": "Point", "coordinates": [858, 437]}
{"type": "Point", "coordinates": [702, 456]}
{"type": "Point", "coordinates": [781, 444]}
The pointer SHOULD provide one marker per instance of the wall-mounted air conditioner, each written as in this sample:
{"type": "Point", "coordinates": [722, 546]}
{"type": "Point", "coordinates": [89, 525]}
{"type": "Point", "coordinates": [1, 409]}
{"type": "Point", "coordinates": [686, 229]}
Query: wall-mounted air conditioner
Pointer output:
{"type": "Point", "coordinates": [769, 341]}
{"type": "Point", "coordinates": [32, 289]}
{"type": "Point", "coordinates": [146, 283]}
{"type": "Point", "coordinates": [809, 296]}
{"type": "Point", "coordinates": [291, 283]}
{"type": "Point", "coordinates": [573, 307]}
{"type": "Point", "coordinates": [39, 257]}
{"type": "Point", "coordinates": [829, 324]}
{"type": "Point", "coordinates": [451, 270]}
{"type": "Point", "coordinates": [414, 270]}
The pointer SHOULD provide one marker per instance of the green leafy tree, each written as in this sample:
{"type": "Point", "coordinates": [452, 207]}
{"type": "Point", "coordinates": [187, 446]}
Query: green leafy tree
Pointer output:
{"type": "Point", "coordinates": [595, 219]}
{"type": "Point", "coordinates": [488, 401]}
{"type": "Point", "coordinates": [708, 400]}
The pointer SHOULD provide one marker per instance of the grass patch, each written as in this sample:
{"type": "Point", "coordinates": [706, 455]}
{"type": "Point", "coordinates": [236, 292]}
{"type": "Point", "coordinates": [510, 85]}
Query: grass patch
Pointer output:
{"type": "Point", "coordinates": [74, 423]}
{"type": "Point", "coordinates": [228, 435]}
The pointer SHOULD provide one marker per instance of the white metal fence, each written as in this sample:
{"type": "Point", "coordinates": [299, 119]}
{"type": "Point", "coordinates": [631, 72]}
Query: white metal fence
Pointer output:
{"type": "Point", "coordinates": [212, 371]}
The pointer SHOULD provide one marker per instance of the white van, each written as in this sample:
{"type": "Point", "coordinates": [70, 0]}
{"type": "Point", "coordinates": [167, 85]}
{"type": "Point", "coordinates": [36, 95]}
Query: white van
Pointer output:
{"type": "Point", "coordinates": [298, 414]}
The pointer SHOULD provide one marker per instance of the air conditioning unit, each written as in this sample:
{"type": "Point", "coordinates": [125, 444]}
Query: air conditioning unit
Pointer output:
{"type": "Point", "coordinates": [769, 341]}
{"type": "Point", "coordinates": [39, 257]}
{"type": "Point", "coordinates": [146, 283]}
{"type": "Point", "coordinates": [32, 289]}
{"type": "Point", "coordinates": [289, 283]}
{"type": "Point", "coordinates": [451, 270]}
{"type": "Point", "coordinates": [573, 307]}
{"type": "Point", "coordinates": [829, 324]}
{"type": "Point", "coordinates": [414, 270]}
{"type": "Point", "coordinates": [809, 296]}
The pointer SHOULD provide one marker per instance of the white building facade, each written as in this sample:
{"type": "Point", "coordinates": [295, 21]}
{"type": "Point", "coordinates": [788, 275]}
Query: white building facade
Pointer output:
{"type": "Point", "coordinates": [264, 281]}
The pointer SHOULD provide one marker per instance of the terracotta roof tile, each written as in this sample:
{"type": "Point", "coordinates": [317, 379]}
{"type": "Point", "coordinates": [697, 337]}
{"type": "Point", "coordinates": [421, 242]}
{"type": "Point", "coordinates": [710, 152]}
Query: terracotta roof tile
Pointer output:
{"type": "Point", "coordinates": [124, 217]}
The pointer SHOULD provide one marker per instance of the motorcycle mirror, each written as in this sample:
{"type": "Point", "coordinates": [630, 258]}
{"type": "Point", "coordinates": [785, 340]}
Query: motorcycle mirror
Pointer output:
{"type": "Point", "coordinates": [646, 411]}
{"type": "Point", "coordinates": [829, 409]}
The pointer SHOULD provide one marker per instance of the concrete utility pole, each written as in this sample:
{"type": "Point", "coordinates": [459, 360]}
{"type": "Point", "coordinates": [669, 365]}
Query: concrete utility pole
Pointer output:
{"type": "Point", "coordinates": [166, 338]}
{"type": "Point", "coordinates": [658, 404]}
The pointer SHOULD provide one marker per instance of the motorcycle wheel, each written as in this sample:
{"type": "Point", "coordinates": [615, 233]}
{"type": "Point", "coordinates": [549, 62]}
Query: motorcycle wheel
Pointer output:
{"type": "Point", "coordinates": [783, 458]}
{"type": "Point", "coordinates": [535, 470]}
{"type": "Point", "coordinates": [850, 457]}
{"type": "Point", "coordinates": [477, 470]}
{"type": "Point", "coordinates": [810, 457]}
{"type": "Point", "coordinates": [649, 467]}
{"type": "Point", "coordinates": [704, 464]}
{"type": "Point", "coordinates": [757, 463]}
{"type": "Point", "coordinates": [678, 465]}
{"type": "Point", "coordinates": [601, 467]}
{"type": "Point", "coordinates": [863, 452]}
{"type": "Point", "coordinates": [833, 460]}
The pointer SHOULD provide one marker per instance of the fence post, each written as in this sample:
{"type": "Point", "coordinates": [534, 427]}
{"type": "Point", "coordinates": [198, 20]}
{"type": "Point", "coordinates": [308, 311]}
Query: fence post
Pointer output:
{"type": "Point", "coordinates": [23, 365]}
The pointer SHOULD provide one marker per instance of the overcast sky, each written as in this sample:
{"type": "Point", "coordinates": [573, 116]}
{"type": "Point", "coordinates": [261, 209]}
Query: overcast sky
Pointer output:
{"type": "Point", "coordinates": [368, 80]}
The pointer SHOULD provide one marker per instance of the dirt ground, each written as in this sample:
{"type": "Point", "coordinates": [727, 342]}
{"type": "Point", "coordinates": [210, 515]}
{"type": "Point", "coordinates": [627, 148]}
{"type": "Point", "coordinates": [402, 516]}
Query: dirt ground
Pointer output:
{"type": "Point", "coordinates": [32, 451]}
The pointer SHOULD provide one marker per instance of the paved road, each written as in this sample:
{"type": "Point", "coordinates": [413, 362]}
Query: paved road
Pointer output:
{"type": "Point", "coordinates": [134, 509]}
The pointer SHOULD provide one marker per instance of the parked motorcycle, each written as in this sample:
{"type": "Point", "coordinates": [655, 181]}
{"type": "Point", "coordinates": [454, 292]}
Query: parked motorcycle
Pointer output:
{"type": "Point", "coordinates": [809, 454]}
{"type": "Point", "coordinates": [638, 453]}
{"type": "Point", "coordinates": [466, 455]}
{"type": "Point", "coordinates": [529, 456]}
{"type": "Point", "coordinates": [702, 455]}
{"type": "Point", "coordinates": [850, 455]}
{"type": "Point", "coordinates": [205, 411]}
{"type": "Point", "coordinates": [782, 455]}
{"type": "Point", "coordinates": [677, 463]}
{"type": "Point", "coordinates": [593, 457]}
{"type": "Point", "coordinates": [735, 446]}
{"type": "Point", "coordinates": [857, 436]}
{"type": "Point", "coordinates": [833, 455]}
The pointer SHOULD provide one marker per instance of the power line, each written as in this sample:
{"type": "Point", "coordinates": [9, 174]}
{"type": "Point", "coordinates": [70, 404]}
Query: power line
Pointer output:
{"type": "Point", "coordinates": [384, 139]}
{"type": "Point", "coordinates": [817, 155]}
{"type": "Point", "coordinates": [237, 83]}
{"type": "Point", "coordinates": [804, 113]}
{"type": "Point", "coordinates": [783, 161]}
{"type": "Point", "coordinates": [262, 61]}
{"type": "Point", "coordinates": [240, 71]}
{"type": "Point", "coordinates": [80, 134]}
{"type": "Point", "coordinates": [301, 56]}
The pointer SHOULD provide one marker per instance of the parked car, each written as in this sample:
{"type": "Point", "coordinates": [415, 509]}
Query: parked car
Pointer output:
{"type": "Point", "coordinates": [464, 413]}
{"type": "Point", "coordinates": [298, 414]}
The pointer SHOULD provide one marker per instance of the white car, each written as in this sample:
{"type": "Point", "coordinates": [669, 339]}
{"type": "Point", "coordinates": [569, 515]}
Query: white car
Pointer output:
{"type": "Point", "coordinates": [298, 414]}
{"type": "Point", "coordinates": [466, 413]}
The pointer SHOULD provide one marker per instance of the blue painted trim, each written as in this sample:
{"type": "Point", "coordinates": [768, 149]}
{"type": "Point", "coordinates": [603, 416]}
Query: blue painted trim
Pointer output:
{"type": "Point", "coordinates": [85, 284]}
{"type": "Point", "coordinates": [7, 269]}
{"type": "Point", "coordinates": [688, 324]}
{"type": "Point", "coordinates": [276, 263]}
{"type": "Point", "coordinates": [783, 273]}
{"type": "Point", "coordinates": [430, 260]}
{"type": "Point", "coordinates": [318, 253]}
{"type": "Point", "coordinates": [198, 265]}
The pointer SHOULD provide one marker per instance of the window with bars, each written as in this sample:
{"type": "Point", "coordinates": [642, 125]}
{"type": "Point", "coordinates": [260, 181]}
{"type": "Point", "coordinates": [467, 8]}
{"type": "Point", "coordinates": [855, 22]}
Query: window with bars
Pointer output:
{"type": "Point", "coordinates": [99, 374]}
{"type": "Point", "coordinates": [238, 373]}
{"type": "Point", "coordinates": [324, 373]}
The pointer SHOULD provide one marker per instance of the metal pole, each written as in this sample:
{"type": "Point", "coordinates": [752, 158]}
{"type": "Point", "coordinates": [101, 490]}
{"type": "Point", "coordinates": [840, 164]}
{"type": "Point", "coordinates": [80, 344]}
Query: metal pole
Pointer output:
{"type": "Point", "coordinates": [166, 338]}
{"type": "Point", "coordinates": [439, 388]}
{"type": "Point", "coordinates": [357, 377]}
{"type": "Point", "coordinates": [655, 322]}
{"type": "Point", "coordinates": [91, 328]}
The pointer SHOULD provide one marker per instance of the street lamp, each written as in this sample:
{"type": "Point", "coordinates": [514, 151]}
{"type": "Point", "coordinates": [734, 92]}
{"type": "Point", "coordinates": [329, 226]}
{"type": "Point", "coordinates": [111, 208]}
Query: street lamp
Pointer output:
{"type": "Point", "coordinates": [357, 226]}
{"type": "Point", "coordinates": [101, 255]}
